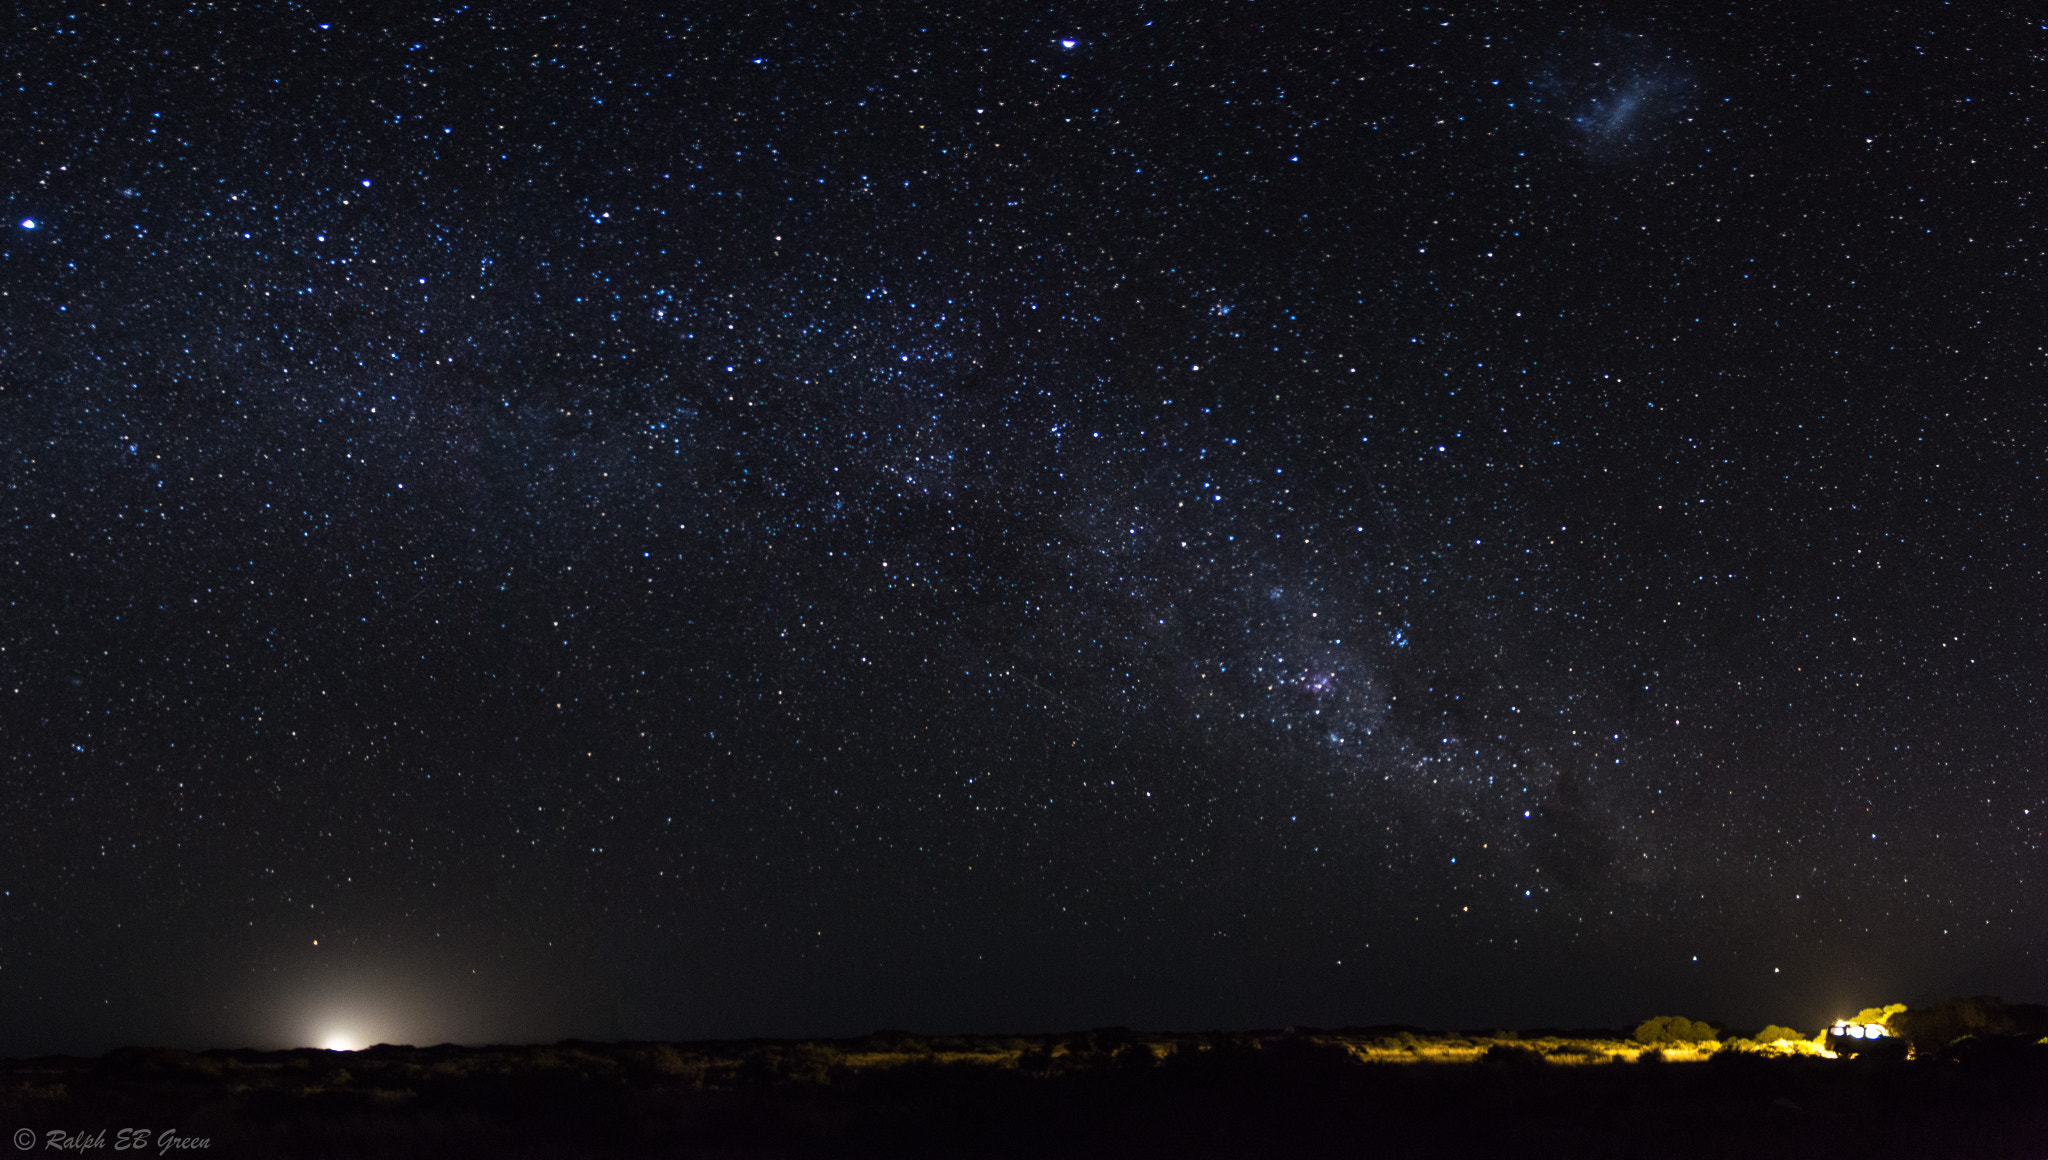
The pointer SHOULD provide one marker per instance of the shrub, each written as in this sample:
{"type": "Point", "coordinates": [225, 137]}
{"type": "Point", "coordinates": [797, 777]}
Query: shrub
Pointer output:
{"type": "Point", "coordinates": [1578, 1051]}
{"type": "Point", "coordinates": [1880, 1015]}
{"type": "Point", "coordinates": [1673, 1029]}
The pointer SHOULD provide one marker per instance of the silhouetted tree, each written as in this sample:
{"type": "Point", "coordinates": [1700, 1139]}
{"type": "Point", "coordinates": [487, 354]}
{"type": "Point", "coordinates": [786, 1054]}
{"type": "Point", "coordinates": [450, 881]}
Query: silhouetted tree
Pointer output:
{"type": "Point", "coordinates": [1932, 1031]}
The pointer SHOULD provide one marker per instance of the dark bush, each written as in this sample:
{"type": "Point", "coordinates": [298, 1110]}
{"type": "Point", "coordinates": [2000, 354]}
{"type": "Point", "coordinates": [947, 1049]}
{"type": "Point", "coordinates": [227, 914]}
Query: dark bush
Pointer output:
{"type": "Point", "coordinates": [1934, 1030]}
{"type": "Point", "coordinates": [1512, 1055]}
{"type": "Point", "coordinates": [890, 1041]}
{"type": "Point", "coordinates": [1300, 1056]}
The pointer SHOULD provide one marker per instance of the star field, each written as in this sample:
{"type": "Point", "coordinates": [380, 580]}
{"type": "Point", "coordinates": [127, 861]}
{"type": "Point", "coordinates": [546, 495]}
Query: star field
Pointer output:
{"type": "Point", "coordinates": [734, 522]}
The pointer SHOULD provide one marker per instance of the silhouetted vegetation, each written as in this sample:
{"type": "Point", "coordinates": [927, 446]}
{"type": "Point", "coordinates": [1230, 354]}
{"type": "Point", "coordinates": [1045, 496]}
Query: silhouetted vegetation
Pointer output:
{"type": "Point", "coordinates": [1673, 1029]}
{"type": "Point", "coordinates": [1963, 1028]}
{"type": "Point", "coordinates": [1110, 1091]}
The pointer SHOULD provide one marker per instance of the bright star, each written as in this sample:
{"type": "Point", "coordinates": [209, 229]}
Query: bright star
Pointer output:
{"type": "Point", "coordinates": [1068, 43]}
{"type": "Point", "coordinates": [28, 223]}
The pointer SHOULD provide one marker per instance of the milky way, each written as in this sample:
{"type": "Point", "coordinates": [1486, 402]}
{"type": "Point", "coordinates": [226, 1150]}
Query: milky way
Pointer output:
{"type": "Point", "coordinates": [686, 523]}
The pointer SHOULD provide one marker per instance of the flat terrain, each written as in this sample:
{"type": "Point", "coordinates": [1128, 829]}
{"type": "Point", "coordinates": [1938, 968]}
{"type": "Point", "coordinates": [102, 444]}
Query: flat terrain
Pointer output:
{"type": "Point", "coordinates": [1358, 1092]}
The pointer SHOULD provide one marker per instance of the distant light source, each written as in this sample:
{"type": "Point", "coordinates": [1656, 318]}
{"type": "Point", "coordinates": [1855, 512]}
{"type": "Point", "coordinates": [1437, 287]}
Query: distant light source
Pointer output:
{"type": "Point", "coordinates": [28, 223]}
{"type": "Point", "coordinates": [338, 1042]}
{"type": "Point", "coordinates": [1873, 1031]}
{"type": "Point", "coordinates": [1068, 43]}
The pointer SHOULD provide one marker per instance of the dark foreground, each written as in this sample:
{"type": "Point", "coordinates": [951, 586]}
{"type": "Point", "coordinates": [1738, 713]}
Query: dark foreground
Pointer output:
{"type": "Point", "coordinates": [1100, 1094]}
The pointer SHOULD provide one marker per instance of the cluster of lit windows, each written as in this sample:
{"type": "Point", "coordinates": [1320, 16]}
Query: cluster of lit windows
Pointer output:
{"type": "Point", "coordinates": [1859, 1030]}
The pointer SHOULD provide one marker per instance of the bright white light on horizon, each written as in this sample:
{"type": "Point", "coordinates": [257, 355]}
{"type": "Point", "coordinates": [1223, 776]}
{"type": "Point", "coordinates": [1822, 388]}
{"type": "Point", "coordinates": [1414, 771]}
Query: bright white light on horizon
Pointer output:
{"type": "Point", "coordinates": [354, 1026]}
{"type": "Point", "coordinates": [351, 1000]}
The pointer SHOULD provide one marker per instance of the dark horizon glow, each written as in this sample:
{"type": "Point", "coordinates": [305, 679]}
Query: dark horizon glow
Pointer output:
{"type": "Point", "coordinates": [748, 521]}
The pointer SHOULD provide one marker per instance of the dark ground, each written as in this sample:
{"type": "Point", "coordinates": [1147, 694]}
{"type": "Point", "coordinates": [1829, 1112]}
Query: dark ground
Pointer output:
{"type": "Point", "coordinates": [1097, 1094]}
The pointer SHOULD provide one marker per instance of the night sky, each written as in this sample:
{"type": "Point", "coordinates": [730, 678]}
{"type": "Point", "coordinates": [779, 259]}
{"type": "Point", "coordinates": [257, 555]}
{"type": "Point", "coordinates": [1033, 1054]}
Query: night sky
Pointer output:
{"type": "Point", "coordinates": [527, 521]}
